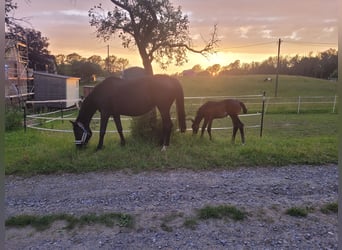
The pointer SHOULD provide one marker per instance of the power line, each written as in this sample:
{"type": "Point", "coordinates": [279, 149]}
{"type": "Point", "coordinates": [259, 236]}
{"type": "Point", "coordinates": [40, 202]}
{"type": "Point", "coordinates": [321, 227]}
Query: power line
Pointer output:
{"type": "Point", "coordinates": [310, 43]}
{"type": "Point", "coordinates": [250, 45]}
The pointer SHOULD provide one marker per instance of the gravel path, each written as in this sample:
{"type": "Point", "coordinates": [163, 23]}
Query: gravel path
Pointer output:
{"type": "Point", "coordinates": [161, 201]}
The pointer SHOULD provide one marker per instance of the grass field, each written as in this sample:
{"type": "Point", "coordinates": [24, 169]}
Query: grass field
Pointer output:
{"type": "Point", "coordinates": [288, 138]}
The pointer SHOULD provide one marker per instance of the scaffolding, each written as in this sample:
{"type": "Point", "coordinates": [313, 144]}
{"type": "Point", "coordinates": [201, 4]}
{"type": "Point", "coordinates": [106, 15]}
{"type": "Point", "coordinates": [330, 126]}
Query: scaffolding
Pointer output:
{"type": "Point", "coordinates": [18, 76]}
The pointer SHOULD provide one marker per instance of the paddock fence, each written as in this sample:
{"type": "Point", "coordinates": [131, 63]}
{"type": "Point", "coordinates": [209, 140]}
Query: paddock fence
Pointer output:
{"type": "Point", "coordinates": [36, 116]}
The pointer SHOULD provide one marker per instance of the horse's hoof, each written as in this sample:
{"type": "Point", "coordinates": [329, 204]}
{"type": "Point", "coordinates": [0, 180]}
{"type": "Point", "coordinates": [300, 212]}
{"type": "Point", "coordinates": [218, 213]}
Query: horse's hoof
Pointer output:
{"type": "Point", "coordinates": [163, 148]}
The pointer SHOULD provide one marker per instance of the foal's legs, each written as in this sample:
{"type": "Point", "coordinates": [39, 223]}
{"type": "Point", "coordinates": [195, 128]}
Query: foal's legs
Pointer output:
{"type": "Point", "coordinates": [205, 123]}
{"type": "Point", "coordinates": [118, 125]}
{"type": "Point", "coordinates": [237, 125]}
{"type": "Point", "coordinates": [242, 133]}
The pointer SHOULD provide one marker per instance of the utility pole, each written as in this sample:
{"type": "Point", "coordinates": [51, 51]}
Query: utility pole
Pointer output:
{"type": "Point", "coordinates": [277, 73]}
{"type": "Point", "coordinates": [108, 64]}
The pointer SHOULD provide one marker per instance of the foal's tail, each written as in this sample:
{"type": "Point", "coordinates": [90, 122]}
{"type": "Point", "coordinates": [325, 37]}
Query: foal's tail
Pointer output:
{"type": "Point", "coordinates": [243, 106]}
{"type": "Point", "coordinates": [180, 108]}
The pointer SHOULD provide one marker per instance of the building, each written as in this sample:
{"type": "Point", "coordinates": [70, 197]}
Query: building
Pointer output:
{"type": "Point", "coordinates": [53, 87]}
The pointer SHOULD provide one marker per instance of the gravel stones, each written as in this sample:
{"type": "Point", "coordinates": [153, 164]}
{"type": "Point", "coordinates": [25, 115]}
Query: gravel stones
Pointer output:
{"type": "Point", "coordinates": [151, 197]}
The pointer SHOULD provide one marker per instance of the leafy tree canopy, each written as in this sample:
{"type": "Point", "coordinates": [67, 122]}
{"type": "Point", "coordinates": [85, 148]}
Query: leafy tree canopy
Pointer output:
{"type": "Point", "coordinates": [155, 27]}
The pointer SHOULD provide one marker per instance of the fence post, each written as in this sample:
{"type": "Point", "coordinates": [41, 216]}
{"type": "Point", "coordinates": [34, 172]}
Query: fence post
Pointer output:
{"type": "Point", "coordinates": [298, 108]}
{"type": "Point", "coordinates": [262, 113]}
{"type": "Point", "coordinates": [61, 106]}
{"type": "Point", "coordinates": [24, 108]}
{"type": "Point", "coordinates": [334, 106]}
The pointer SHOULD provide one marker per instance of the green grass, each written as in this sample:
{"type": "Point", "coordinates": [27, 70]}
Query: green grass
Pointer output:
{"type": "Point", "coordinates": [219, 212]}
{"type": "Point", "coordinates": [330, 208]}
{"type": "Point", "coordinates": [288, 86]}
{"type": "Point", "coordinates": [288, 138]}
{"type": "Point", "coordinates": [297, 212]}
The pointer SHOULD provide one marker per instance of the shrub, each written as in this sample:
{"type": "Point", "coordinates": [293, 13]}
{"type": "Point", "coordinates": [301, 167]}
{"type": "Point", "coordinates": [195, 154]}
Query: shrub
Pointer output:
{"type": "Point", "coordinates": [13, 119]}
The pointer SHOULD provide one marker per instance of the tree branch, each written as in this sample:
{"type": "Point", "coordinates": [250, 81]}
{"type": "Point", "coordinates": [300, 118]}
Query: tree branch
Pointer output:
{"type": "Point", "coordinates": [208, 48]}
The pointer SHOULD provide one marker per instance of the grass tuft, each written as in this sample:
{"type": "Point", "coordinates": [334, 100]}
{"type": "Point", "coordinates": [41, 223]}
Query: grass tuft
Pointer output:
{"type": "Point", "coordinates": [297, 212]}
{"type": "Point", "coordinates": [190, 223]}
{"type": "Point", "coordinates": [219, 212]}
{"type": "Point", "coordinates": [330, 208]}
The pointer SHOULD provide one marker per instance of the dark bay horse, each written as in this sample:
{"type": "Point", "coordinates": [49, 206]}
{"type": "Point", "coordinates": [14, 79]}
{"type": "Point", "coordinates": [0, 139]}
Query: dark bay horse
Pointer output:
{"type": "Point", "coordinates": [220, 109]}
{"type": "Point", "coordinates": [115, 96]}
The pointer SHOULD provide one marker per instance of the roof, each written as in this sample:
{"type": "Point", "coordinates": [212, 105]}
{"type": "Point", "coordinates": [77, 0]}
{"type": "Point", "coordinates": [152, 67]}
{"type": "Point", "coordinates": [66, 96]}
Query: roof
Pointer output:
{"type": "Point", "coordinates": [54, 75]}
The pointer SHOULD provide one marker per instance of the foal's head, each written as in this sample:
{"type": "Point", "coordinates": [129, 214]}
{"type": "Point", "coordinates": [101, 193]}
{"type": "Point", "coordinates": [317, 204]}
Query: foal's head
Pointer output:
{"type": "Point", "coordinates": [82, 135]}
{"type": "Point", "coordinates": [195, 126]}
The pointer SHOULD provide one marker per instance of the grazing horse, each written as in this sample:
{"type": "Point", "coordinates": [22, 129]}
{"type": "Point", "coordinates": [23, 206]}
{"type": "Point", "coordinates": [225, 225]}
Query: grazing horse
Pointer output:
{"type": "Point", "coordinates": [220, 109]}
{"type": "Point", "coordinates": [115, 96]}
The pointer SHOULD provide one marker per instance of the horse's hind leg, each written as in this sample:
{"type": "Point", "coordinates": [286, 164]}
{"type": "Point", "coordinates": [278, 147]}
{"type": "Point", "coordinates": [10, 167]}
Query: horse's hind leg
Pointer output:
{"type": "Point", "coordinates": [167, 127]}
{"type": "Point", "coordinates": [242, 133]}
{"type": "Point", "coordinates": [118, 125]}
{"type": "Point", "coordinates": [238, 125]}
{"type": "Point", "coordinates": [235, 127]}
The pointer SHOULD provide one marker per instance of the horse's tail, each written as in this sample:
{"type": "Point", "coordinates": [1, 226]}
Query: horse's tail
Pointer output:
{"type": "Point", "coordinates": [180, 108]}
{"type": "Point", "coordinates": [243, 106]}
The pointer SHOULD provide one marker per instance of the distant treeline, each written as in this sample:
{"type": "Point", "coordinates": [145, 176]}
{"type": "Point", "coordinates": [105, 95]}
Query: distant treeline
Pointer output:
{"type": "Point", "coordinates": [323, 65]}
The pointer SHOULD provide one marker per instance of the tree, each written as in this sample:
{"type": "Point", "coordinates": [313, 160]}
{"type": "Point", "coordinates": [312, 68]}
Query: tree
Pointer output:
{"type": "Point", "coordinates": [38, 53]}
{"type": "Point", "coordinates": [73, 57]}
{"type": "Point", "coordinates": [197, 68]}
{"type": "Point", "coordinates": [214, 69]}
{"type": "Point", "coordinates": [9, 7]}
{"type": "Point", "coordinates": [39, 57]}
{"type": "Point", "coordinates": [155, 27]}
{"type": "Point", "coordinates": [60, 59]}
{"type": "Point", "coordinates": [95, 59]}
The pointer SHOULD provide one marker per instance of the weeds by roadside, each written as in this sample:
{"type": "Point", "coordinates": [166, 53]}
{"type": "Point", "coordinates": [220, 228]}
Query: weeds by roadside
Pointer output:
{"type": "Point", "coordinates": [41, 223]}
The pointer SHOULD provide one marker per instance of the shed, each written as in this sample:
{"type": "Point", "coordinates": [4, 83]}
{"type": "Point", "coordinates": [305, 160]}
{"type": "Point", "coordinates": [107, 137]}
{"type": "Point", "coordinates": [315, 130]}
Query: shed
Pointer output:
{"type": "Point", "coordinates": [56, 87]}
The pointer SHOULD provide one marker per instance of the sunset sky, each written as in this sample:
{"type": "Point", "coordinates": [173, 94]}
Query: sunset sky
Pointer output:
{"type": "Point", "coordinates": [248, 29]}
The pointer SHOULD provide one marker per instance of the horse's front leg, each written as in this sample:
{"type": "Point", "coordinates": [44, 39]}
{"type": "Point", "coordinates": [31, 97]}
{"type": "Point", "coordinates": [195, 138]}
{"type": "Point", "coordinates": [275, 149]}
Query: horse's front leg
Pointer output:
{"type": "Point", "coordinates": [209, 128]}
{"type": "Point", "coordinates": [205, 123]}
{"type": "Point", "coordinates": [167, 127]}
{"type": "Point", "coordinates": [118, 125]}
{"type": "Point", "coordinates": [103, 127]}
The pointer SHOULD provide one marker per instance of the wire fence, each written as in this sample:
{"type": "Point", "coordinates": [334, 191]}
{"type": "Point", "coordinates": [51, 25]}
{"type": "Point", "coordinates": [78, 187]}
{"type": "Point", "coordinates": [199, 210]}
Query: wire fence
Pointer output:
{"type": "Point", "coordinates": [257, 105]}
{"type": "Point", "coordinates": [54, 121]}
{"type": "Point", "coordinates": [301, 104]}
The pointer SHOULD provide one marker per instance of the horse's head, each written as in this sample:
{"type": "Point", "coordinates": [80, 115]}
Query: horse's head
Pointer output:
{"type": "Point", "coordinates": [82, 135]}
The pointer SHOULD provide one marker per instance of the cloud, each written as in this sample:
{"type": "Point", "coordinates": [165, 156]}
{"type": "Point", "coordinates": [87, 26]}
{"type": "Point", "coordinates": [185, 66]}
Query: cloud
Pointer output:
{"type": "Point", "coordinates": [74, 12]}
{"type": "Point", "coordinates": [243, 31]}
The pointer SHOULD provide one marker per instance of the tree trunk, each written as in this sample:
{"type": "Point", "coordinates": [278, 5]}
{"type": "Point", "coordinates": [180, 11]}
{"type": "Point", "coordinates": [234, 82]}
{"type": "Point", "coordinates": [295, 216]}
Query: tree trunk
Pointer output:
{"type": "Point", "coordinates": [149, 120]}
{"type": "Point", "coordinates": [145, 126]}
